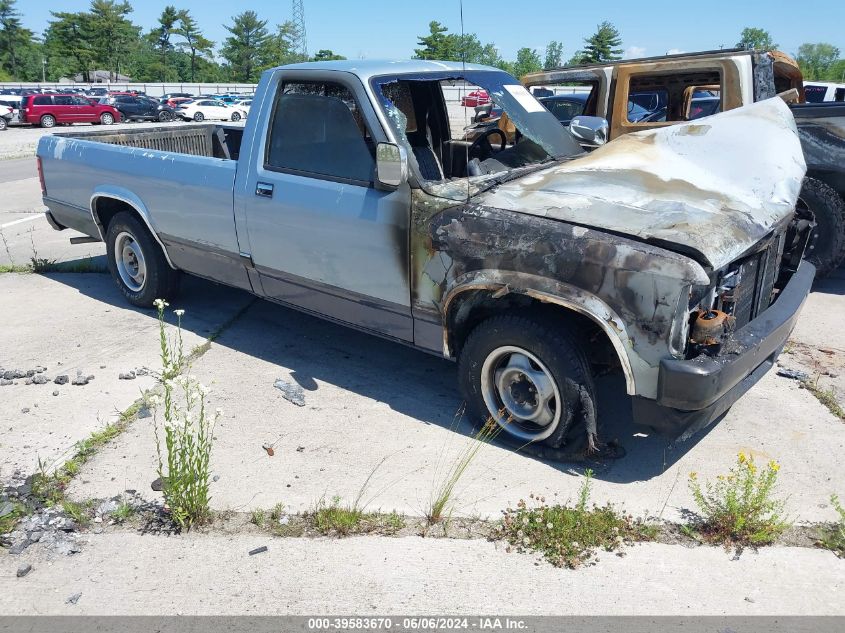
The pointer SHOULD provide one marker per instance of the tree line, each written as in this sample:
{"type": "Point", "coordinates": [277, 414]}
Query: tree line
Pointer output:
{"type": "Point", "coordinates": [176, 49]}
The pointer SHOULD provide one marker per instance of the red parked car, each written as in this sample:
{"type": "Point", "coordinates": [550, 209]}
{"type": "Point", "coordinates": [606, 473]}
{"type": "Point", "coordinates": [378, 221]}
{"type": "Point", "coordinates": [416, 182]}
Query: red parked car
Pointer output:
{"type": "Point", "coordinates": [475, 98]}
{"type": "Point", "coordinates": [49, 109]}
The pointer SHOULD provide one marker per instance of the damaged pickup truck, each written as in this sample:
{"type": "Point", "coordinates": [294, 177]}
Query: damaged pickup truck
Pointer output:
{"type": "Point", "coordinates": [668, 255]}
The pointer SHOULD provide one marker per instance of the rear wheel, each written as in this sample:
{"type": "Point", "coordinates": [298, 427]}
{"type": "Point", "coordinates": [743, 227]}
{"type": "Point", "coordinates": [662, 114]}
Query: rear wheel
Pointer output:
{"type": "Point", "coordinates": [532, 380]}
{"type": "Point", "coordinates": [122, 117]}
{"type": "Point", "coordinates": [137, 263]}
{"type": "Point", "coordinates": [3, 123]}
{"type": "Point", "coordinates": [199, 117]}
{"type": "Point", "coordinates": [48, 120]}
{"type": "Point", "coordinates": [106, 118]}
{"type": "Point", "coordinates": [828, 238]}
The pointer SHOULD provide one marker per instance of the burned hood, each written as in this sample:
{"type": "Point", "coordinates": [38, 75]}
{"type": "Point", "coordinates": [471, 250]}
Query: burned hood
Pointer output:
{"type": "Point", "coordinates": [711, 188]}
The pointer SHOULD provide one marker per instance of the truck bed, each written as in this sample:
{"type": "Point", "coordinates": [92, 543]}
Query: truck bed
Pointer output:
{"type": "Point", "coordinates": [213, 141]}
{"type": "Point", "coordinates": [179, 178]}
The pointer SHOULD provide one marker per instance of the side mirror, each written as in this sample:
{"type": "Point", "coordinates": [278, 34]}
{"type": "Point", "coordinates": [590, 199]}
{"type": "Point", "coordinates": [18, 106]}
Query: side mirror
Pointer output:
{"type": "Point", "coordinates": [590, 129]}
{"type": "Point", "coordinates": [391, 165]}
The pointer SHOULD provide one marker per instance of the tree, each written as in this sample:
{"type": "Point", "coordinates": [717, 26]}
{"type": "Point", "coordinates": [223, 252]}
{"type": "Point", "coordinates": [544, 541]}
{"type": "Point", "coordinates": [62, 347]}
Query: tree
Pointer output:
{"type": "Point", "coordinates": [326, 55]}
{"type": "Point", "coordinates": [249, 49]}
{"type": "Point", "coordinates": [756, 39]}
{"type": "Point", "coordinates": [554, 55]}
{"type": "Point", "coordinates": [111, 33]}
{"type": "Point", "coordinates": [162, 34]}
{"type": "Point", "coordinates": [437, 44]}
{"type": "Point", "coordinates": [603, 46]}
{"type": "Point", "coordinates": [817, 60]}
{"type": "Point", "coordinates": [527, 61]}
{"type": "Point", "coordinates": [14, 39]}
{"type": "Point", "coordinates": [67, 42]}
{"type": "Point", "coordinates": [284, 45]}
{"type": "Point", "coordinates": [195, 42]}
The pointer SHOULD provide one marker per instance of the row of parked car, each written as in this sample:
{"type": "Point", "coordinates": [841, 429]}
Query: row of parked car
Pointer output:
{"type": "Point", "coordinates": [98, 106]}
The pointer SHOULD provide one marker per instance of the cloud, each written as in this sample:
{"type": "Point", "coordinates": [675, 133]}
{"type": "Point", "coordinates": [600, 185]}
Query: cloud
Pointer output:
{"type": "Point", "coordinates": [675, 51]}
{"type": "Point", "coordinates": [633, 52]}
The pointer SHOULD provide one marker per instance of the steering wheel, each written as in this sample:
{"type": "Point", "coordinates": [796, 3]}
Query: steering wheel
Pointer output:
{"type": "Point", "coordinates": [482, 144]}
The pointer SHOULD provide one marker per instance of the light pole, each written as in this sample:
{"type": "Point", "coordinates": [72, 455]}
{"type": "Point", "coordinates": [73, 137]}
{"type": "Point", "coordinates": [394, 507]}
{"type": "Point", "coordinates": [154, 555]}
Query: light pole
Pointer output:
{"type": "Point", "coordinates": [43, 70]}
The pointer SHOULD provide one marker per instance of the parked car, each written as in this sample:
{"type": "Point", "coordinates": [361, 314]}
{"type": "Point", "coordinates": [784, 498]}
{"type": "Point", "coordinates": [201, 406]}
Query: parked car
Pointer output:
{"type": "Point", "coordinates": [210, 109]}
{"type": "Point", "coordinates": [535, 266]}
{"type": "Point", "coordinates": [6, 115]}
{"type": "Point", "coordinates": [243, 104]}
{"type": "Point", "coordinates": [700, 107]}
{"type": "Point", "coordinates": [14, 102]}
{"type": "Point", "coordinates": [475, 98]}
{"type": "Point", "coordinates": [565, 107]}
{"type": "Point", "coordinates": [49, 109]}
{"type": "Point", "coordinates": [97, 92]}
{"type": "Point", "coordinates": [175, 95]}
{"type": "Point", "coordinates": [821, 91]}
{"type": "Point", "coordinates": [175, 102]}
{"type": "Point", "coordinates": [140, 108]}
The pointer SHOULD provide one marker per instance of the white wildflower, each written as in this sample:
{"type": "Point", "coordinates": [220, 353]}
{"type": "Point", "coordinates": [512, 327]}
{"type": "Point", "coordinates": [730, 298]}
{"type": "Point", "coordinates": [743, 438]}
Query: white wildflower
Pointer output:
{"type": "Point", "coordinates": [218, 412]}
{"type": "Point", "coordinates": [203, 389]}
{"type": "Point", "coordinates": [161, 304]}
{"type": "Point", "coordinates": [179, 312]}
{"type": "Point", "coordinates": [549, 525]}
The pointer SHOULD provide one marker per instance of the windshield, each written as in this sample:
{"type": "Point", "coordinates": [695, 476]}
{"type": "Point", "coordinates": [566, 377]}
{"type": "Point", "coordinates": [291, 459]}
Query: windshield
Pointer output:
{"type": "Point", "coordinates": [432, 114]}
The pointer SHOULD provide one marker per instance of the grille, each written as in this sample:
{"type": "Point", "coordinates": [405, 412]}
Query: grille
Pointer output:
{"type": "Point", "coordinates": [755, 282]}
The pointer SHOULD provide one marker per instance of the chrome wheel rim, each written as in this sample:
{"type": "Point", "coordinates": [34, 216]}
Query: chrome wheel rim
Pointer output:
{"type": "Point", "coordinates": [108, 119]}
{"type": "Point", "coordinates": [520, 393]}
{"type": "Point", "coordinates": [130, 262]}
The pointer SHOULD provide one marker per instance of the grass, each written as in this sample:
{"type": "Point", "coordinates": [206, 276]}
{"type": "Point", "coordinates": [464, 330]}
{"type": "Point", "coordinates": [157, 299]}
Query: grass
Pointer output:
{"type": "Point", "coordinates": [8, 522]}
{"type": "Point", "coordinates": [739, 508]}
{"type": "Point", "coordinates": [827, 397]}
{"type": "Point", "coordinates": [334, 518]}
{"type": "Point", "coordinates": [258, 517]}
{"type": "Point", "coordinates": [440, 504]}
{"type": "Point", "coordinates": [79, 512]}
{"type": "Point", "coordinates": [569, 536]}
{"type": "Point", "coordinates": [123, 512]}
{"type": "Point", "coordinates": [833, 537]}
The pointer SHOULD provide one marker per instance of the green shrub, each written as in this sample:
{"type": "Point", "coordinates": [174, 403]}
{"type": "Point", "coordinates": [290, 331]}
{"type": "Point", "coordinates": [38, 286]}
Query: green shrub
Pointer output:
{"type": "Point", "coordinates": [739, 508]}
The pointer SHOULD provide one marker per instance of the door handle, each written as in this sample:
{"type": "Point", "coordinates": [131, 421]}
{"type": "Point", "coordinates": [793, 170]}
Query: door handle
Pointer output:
{"type": "Point", "coordinates": [264, 189]}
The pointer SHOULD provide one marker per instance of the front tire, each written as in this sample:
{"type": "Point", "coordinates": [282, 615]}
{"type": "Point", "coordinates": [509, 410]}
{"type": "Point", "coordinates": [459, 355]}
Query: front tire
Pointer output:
{"type": "Point", "coordinates": [236, 116]}
{"type": "Point", "coordinates": [3, 123]}
{"type": "Point", "coordinates": [165, 117]}
{"type": "Point", "coordinates": [107, 118]}
{"type": "Point", "coordinates": [828, 238]}
{"type": "Point", "coordinates": [137, 263]}
{"type": "Point", "coordinates": [48, 121]}
{"type": "Point", "coordinates": [199, 117]}
{"type": "Point", "coordinates": [532, 380]}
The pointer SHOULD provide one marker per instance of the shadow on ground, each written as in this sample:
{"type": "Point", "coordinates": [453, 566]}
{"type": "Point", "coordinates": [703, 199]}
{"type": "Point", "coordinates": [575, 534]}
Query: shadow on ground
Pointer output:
{"type": "Point", "coordinates": [414, 383]}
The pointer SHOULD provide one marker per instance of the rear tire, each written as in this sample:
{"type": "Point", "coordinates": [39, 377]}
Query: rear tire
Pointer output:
{"type": "Point", "coordinates": [48, 121]}
{"type": "Point", "coordinates": [3, 123]}
{"type": "Point", "coordinates": [513, 368]}
{"type": "Point", "coordinates": [137, 263]}
{"type": "Point", "coordinates": [828, 238]}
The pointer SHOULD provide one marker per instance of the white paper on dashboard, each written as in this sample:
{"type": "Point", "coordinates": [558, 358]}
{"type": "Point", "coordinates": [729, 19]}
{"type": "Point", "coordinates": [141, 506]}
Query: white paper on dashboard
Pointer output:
{"type": "Point", "coordinates": [525, 98]}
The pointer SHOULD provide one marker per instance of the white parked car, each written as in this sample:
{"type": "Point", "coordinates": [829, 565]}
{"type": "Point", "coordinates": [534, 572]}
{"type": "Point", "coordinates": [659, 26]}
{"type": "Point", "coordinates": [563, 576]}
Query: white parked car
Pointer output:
{"type": "Point", "coordinates": [203, 109]}
{"type": "Point", "coordinates": [821, 91]}
{"type": "Point", "coordinates": [243, 104]}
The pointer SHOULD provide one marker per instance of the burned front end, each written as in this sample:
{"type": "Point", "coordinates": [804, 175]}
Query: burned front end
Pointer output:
{"type": "Point", "coordinates": [737, 327]}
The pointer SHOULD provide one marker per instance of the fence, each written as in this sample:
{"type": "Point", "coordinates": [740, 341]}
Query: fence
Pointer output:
{"type": "Point", "coordinates": [152, 89]}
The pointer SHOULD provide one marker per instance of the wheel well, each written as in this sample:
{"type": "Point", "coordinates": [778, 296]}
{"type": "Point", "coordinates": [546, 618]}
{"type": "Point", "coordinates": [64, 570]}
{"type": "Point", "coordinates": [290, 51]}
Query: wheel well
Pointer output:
{"type": "Point", "coordinates": [833, 179]}
{"type": "Point", "coordinates": [106, 208]}
{"type": "Point", "coordinates": [472, 307]}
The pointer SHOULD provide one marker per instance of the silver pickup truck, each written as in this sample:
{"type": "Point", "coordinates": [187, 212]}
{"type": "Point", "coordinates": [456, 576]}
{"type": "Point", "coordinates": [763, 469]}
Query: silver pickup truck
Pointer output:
{"type": "Point", "coordinates": [670, 256]}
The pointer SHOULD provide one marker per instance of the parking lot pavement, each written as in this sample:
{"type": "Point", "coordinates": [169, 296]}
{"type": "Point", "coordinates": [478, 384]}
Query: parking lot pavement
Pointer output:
{"type": "Point", "coordinates": [368, 400]}
{"type": "Point", "coordinates": [193, 574]}
{"type": "Point", "coordinates": [70, 323]}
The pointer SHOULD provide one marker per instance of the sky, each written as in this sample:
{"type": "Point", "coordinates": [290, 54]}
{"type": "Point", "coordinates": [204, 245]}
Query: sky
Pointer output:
{"type": "Point", "coordinates": [379, 29]}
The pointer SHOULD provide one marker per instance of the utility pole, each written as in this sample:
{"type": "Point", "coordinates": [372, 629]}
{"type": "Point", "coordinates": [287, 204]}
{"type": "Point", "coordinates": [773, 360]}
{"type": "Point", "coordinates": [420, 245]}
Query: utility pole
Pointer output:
{"type": "Point", "coordinates": [300, 40]}
{"type": "Point", "coordinates": [43, 70]}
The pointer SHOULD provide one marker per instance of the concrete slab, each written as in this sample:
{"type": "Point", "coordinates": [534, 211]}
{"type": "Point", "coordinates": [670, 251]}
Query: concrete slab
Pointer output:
{"type": "Point", "coordinates": [132, 574]}
{"type": "Point", "coordinates": [368, 401]}
{"type": "Point", "coordinates": [68, 322]}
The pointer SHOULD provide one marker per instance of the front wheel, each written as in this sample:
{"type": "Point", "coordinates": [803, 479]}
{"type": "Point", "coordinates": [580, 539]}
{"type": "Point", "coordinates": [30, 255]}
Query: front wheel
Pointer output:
{"type": "Point", "coordinates": [532, 380]}
{"type": "Point", "coordinates": [236, 116]}
{"type": "Point", "coordinates": [199, 117]}
{"type": "Point", "coordinates": [137, 263]}
{"type": "Point", "coordinates": [107, 118]}
{"type": "Point", "coordinates": [165, 117]}
{"type": "Point", "coordinates": [3, 123]}
{"type": "Point", "coordinates": [828, 239]}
